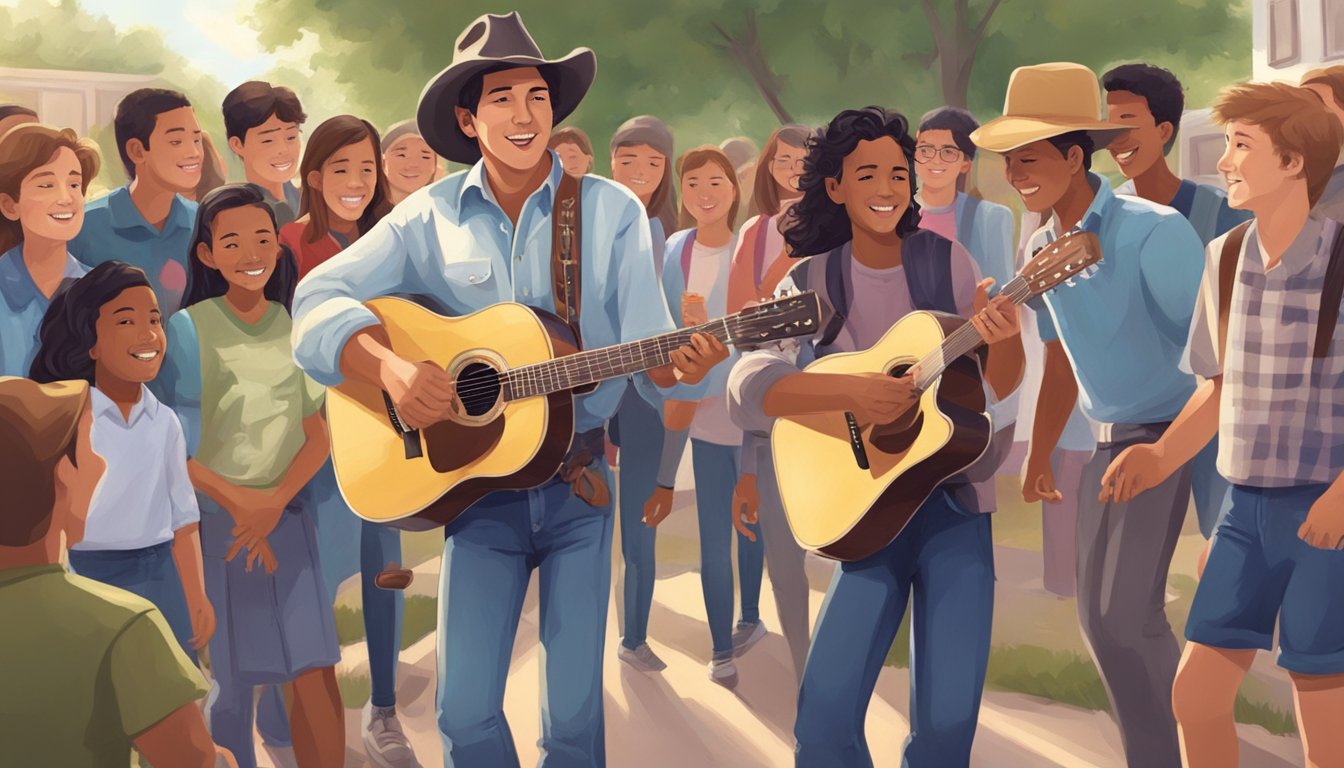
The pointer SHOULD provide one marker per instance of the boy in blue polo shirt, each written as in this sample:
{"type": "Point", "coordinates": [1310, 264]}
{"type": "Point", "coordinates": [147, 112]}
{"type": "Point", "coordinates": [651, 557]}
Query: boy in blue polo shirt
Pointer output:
{"type": "Point", "coordinates": [148, 222]}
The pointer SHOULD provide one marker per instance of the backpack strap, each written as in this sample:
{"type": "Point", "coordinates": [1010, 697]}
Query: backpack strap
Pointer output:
{"type": "Point", "coordinates": [927, 258]}
{"type": "Point", "coordinates": [837, 295]}
{"type": "Point", "coordinates": [1227, 279]}
{"type": "Point", "coordinates": [758, 250]}
{"type": "Point", "coordinates": [1332, 293]}
{"type": "Point", "coordinates": [687, 248]}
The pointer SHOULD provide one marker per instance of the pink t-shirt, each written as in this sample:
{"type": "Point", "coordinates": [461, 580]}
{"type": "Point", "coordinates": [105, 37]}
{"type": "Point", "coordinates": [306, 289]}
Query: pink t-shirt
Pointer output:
{"type": "Point", "coordinates": [941, 220]}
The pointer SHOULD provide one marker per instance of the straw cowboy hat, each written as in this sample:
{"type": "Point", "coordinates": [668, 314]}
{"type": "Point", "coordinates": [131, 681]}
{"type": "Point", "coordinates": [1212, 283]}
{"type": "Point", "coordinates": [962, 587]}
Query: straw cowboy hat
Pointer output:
{"type": "Point", "coordinates": [489, 42]}
{"type": "Point", "coordinates": [1044, 101]}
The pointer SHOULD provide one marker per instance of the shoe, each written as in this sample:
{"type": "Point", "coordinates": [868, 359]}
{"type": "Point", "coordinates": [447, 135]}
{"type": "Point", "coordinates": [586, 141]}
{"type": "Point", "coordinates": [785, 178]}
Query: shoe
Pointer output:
{"type": "Point", "coordinates": [384, 741]}
{"type": "Point", "coordinates": [281, 757]}
{"type": "Point", "coordinates": [642, 658]}
{"type": "Point", "coordinates": [746, 635]}
{"type": "Point", "coordinates": [724, 672]}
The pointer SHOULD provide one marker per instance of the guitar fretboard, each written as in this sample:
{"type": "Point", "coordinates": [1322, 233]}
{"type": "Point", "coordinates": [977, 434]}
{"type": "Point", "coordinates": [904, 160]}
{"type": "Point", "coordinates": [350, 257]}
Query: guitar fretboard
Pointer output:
{"type": "Point", "coordinates": [591, 366]}
{"type": "Point", "coordinates": [964, 339]}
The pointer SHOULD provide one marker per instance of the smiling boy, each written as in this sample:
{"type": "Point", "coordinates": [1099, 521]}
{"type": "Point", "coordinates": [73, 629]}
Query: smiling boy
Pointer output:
{"type": "Point", "coordinates": [262, 122]}
{"type": "Point", "coordinates": [1113, 344]}
{"type": "Point", "coordinates": [148, 222]}
{"type": "Point", "coordinates": [1267, 343]}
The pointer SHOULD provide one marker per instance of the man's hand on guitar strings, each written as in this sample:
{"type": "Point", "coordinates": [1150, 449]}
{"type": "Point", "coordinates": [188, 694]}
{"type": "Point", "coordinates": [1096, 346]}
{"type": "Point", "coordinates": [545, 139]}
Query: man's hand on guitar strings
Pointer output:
{"type": "Point", "coordinates": [996, 319]}
{"type": "Point", "coordinates": [693, 361]}
{"type": "Point", "coordinates": [877, 398]}
{"type": "Point", "coordinates": [423, 393]}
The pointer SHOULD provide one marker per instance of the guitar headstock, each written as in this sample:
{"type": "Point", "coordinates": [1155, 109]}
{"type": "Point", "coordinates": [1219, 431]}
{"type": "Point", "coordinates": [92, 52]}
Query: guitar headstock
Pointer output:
{"type": "Point", "coordinates": [1072, 256]}
{"type": "Point", "coordinates": [784, 318]}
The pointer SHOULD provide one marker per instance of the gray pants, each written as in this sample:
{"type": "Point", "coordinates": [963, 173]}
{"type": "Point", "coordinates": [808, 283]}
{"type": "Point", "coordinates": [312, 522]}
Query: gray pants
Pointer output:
{"type": "Point", "coordinates": [784, 561]}
{"type": "Point", "coordinates": [1124, 551]}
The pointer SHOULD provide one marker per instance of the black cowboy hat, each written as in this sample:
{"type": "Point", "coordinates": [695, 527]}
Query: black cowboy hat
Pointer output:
{"type": "Point", "coordinates": [489, 42]}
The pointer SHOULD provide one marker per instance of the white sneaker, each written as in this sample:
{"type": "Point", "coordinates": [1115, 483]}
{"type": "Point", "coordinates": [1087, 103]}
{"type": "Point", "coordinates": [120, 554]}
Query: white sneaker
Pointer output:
{"type": "Point", "coordinates": [724, 672]}
{"type": "Point", "coordinates": [642, 658]}
{"type": "Point", "coordinates": [747, 635]}
{"type": "Point", "coordinates": [384, 741]}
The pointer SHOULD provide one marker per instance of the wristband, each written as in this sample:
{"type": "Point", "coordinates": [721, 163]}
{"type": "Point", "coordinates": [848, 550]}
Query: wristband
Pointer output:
{"type": "Point", "coordinates": [674, 445]}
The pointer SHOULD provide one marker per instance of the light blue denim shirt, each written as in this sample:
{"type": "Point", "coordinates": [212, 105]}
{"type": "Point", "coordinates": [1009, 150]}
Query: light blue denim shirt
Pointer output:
{"type": "Point", "coordinates": [22, 306]}
{"type": "Point", "coordinates": [115, 229]}
{"type": "Point", "coordinates": [1125, 328]}
{"type": "Point", "coordinates": [450, 241]}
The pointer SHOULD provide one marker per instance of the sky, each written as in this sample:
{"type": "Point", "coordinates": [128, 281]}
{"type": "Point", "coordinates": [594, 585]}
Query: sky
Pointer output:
{"type": "Point", "coordinates": [209, 33]}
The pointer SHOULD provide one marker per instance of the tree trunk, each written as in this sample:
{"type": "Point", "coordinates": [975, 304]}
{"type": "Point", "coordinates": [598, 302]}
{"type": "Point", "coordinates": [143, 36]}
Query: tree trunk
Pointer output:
{"type": "Point", "coordinates": [746, 51]}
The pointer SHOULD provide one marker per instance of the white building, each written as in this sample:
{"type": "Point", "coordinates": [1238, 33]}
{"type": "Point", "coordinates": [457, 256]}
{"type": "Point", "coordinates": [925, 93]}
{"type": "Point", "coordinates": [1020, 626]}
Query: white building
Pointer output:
{"type": "Point", "coordinates": [78, 100]}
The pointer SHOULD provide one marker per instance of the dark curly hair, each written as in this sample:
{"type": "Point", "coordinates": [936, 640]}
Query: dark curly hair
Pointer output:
{"type": "Point", "coordinates": [815, 224]}
{"type": "Point", "coordinates": [205, 282]}
{"type": "Point", "coordinates": [70, 327]}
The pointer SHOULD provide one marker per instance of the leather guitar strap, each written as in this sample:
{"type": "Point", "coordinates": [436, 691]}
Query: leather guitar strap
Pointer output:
{"type": "Point", "coordinates": [1227, 279]}
{"type": "Point", "coordinates": [566, 287]}
{"type": "Point", "coordinates": [566, 284]}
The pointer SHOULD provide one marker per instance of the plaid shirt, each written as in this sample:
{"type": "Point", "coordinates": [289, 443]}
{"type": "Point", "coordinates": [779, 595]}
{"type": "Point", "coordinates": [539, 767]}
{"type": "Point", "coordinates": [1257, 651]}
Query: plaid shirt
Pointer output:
{"type": "Point", "coordinates": [1281, 418]}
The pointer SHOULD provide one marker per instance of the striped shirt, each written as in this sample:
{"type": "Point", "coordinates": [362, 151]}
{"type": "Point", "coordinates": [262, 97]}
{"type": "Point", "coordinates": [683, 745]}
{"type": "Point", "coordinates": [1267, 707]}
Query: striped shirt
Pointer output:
{"type": "Point", "coordinates": [1281, 417]}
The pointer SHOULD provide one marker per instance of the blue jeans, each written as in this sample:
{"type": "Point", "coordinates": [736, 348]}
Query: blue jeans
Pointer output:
{"type": "Point", "coordinates": [150, 573]}
{"type": "Point", "coordinates": [946, 557]}
{"type": "Point", "coordinates": [488, 558]}
{"type": "Point", "coordinates": [1211, 490]}
{"type": "Point", "coordinates": [715, 469]}
{"type": "Point", "coordinates": [641, 431]}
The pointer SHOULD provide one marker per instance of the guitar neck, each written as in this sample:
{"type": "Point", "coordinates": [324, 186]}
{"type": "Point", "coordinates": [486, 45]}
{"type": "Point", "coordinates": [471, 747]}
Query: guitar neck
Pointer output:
{"type": "Point", "coordinates": [965, 339]}
{"type": "Point", "coordinates": [592, 366]}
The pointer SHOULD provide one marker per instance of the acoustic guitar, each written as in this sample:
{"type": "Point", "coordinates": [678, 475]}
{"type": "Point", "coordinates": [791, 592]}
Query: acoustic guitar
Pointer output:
{"type": "Point", "coordinates": [516, 371]}
{"type": "Point", "coordinates": [849, 489]}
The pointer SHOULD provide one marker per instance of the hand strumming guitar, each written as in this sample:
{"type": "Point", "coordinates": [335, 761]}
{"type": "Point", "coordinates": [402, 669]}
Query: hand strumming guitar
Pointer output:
{"type": "Point", "coordinates": [876, 398]}
{"type": "Point", "coordinates": [423, 393]}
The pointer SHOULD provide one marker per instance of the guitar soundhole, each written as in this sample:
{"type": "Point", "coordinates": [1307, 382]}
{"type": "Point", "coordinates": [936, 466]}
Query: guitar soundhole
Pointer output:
{"type": "Point", "coordinates": [478, 388]}
{"type": "Point", "coordinates": [900, 370]}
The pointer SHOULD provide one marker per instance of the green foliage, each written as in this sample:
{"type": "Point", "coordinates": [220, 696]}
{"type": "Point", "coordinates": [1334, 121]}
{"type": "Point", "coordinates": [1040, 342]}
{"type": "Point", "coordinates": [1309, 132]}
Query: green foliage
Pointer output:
{"type": "Point", "coordinates": [670, 59]}
{"type": "Point", "coordinates": [355, 690]}
{"type": "Point", "coordinates": [1272, 719]}
{"type": "Point", "coordinates": [420, 618]}
{"type": "Point", "coordinates": [1062, 676]}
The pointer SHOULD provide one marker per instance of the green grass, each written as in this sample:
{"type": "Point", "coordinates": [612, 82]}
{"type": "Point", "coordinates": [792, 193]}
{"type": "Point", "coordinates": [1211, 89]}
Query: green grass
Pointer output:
{"type": "Point", "coordinates": [355, 690]}
{"type": "Point", "coordinates": [420, 617]}
{"type": "Point", "coordinates": [1266, 716]}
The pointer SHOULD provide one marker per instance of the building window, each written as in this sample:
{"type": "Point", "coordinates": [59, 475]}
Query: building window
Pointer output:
{"type": "Point", "coordinates": [1205, 152]}
{"type": "Point", "coordinates": [1333, 25]}
{"type": "Point", "coordinates": [1283, 38]}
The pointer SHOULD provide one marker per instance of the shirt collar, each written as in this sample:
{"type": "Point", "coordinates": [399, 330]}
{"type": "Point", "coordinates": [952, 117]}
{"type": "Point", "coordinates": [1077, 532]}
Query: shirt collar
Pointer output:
{"type": "Point", "coordinates": [475, 180]}
{"type": "Point", "coordinates": [17, 285]}
{"type": "Point", "coordinates": [106, 410]}
{"type": "Point", "coordinates": [125, 215]}
{"type": "Point", "coordinates": [1092, 217]}
{"type": "Point", "coordinates": [1306, 247]}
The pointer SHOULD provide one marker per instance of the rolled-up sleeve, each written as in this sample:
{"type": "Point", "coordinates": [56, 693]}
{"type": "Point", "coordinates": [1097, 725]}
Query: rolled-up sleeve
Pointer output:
{"type": "Point", "coordinates": [329, 303]}
{"type": "Point", "coordinates": [1202, 356]}
{"type": "Point", "coordinates": [751, 378]}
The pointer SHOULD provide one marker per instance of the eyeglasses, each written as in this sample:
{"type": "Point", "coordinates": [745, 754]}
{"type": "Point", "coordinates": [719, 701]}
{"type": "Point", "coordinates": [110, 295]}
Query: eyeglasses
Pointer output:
{"type": "Point", "coordinates": [926, 152]}
{"type": "Point", "coordinates": [782, 163]}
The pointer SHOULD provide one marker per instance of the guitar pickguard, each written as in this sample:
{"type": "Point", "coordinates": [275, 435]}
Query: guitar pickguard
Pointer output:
{"type": "Point", "coordinates": [452, 445]}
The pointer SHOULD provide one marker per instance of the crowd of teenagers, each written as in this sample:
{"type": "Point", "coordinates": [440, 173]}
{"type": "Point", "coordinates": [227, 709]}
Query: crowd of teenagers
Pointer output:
{"type": "Point", "coordinates": [171, 506]}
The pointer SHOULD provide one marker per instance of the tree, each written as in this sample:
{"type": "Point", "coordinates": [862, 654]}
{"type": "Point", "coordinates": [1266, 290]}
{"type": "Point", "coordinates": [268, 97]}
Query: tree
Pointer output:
{"type": "Point", "coordinates": [956, 43]}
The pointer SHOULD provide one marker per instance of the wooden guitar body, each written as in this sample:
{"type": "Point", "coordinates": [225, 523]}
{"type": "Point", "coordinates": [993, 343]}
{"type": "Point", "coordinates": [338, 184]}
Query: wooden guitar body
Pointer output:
{"type": "Point", "coordinates": [516, 444]}
{"type": "Point", "coordinates": [844, 512]}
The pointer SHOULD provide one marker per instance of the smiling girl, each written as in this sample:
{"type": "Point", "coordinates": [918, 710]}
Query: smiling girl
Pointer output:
{"type": "Point", "coordinates": [757, 263]}
{"type": "Point", "coordinates": [695, 279]}
{"type": "Point", "coordinates": [257, 436]}
{"type": "Point", "coordinates": [408, 161]}
{"type": "Point", "coordinates": [142, 533]}
{"type": "Point", "coordinates": [44, 173]}
{"type": "Point", "coordinates": [344, 191]}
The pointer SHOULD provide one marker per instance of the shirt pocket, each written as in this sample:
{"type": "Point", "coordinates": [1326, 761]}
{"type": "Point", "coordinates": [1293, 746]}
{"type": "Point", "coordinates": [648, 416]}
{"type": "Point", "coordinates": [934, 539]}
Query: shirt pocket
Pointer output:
{"type": "Point", "coordinates": [467, 273]}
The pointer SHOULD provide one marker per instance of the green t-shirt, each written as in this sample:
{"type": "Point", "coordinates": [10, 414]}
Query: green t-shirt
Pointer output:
{"type": "Point", "coordinates": [254, 398]}
{"type": "Point", "coordinates": [86, 669]}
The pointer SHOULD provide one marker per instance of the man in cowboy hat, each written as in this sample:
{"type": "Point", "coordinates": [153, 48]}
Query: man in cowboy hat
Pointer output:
{"type": "Point", "coordinates": [1113, 343]}
{"type": "Point", "coordinates": [474, 239]}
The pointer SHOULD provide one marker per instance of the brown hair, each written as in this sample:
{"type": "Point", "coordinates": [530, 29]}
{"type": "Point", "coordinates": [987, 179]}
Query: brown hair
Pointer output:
{"type": "Point", "coordinates": [39, 425]}
{"type": "Point", "coordinates": [649, 131]}
{"type": "Point", "coordinates": [697, 158]}
{"type": "Point", "coordinates": [212, 169]}
{"type": "Point", "coordinates": [765, 190]}
{"type": "Point", "coordinates": [1330, 77]}
{"type": "Point", "coordinates": [27, 147]}
{"type": "Point", "coordinates": [332, 136]}
{"type": "Point", "coordinates": [572, 135]}
{"type": "Point", "coordinates": [1296, 121]}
